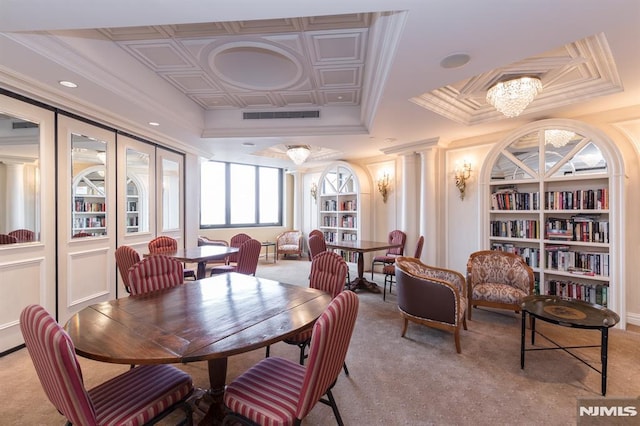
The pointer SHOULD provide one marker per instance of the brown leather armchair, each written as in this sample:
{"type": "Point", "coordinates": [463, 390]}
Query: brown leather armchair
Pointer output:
{"type": "Point", "coordinates": [289, 243]}
{"type": "Point", "coordinates": [431, 296]}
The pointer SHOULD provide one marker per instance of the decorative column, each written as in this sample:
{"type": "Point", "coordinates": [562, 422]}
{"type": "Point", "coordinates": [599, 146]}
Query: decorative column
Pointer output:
{"type": "Point", "coordinates": [430, 205]}
{"type": "Point", "coordinates": [410, 196]}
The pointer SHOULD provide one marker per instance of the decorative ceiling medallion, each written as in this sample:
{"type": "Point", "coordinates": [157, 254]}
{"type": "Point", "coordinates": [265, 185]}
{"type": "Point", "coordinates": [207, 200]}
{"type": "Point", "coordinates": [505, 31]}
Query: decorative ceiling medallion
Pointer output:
{"type": "Point", "coordinates": [255, 66]}
{"type": "Point", "coordinates": [573, 73]}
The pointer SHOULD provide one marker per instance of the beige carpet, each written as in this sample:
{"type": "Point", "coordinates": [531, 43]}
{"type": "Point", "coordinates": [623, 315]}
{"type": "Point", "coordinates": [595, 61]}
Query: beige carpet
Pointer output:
{"type": "Point", "coordinates": [416, 380]}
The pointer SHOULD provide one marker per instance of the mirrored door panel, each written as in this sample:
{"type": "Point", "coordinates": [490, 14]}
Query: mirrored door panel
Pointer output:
{"type": "Point", "coordinates": [86, 215]}
{"type": "Point", "coordinates": [27, 219]}
{"type": "Point", "coordinates": [170, 193]}
{"type": "Point", "coordinates": [20, 179]}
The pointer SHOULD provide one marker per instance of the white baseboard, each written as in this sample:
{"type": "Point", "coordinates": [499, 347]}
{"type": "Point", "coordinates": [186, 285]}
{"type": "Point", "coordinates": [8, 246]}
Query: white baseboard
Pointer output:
{"type": "Point", "coordinates": [633, 319]}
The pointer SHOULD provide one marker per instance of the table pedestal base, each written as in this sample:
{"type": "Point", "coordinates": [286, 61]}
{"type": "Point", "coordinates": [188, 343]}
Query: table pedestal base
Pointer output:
{"type": "Point", "coordinates": [361, 283]}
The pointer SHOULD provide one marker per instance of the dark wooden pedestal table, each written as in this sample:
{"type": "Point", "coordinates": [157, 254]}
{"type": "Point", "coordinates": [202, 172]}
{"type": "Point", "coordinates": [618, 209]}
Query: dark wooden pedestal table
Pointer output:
{"type": "Point", "coordinates": [361, 247]}
{"type": "Point", "coordinates": [204, 320]}
{"type": "Point", "coordinates": [568, 313]}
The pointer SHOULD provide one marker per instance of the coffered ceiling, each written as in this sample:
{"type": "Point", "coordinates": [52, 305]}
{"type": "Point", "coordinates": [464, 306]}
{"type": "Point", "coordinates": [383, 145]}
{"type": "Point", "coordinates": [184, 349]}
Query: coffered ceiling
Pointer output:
{"type": "Point", "coordinates": [370, 70]}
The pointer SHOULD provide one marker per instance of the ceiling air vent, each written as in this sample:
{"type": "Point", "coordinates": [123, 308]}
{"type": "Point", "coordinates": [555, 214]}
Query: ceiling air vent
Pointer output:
{"type": "Point", "coordinates": [23, 125]}
{"type": "Point", "coordinates": [279, 114]}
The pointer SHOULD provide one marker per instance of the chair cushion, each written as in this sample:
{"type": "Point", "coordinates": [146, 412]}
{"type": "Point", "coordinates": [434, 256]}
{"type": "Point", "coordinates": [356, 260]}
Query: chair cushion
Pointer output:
{"type": "Point", "coordinates": [291, 247]}
{"type": "Point", "coordinates": [268, 392]}
{"type": "Point", "coordinates": [385, 259]}
{"type": "Point", "coordinates": [500, 293]}
{"type": "Point", "coordinates": [222, 269]}
{"type": "Point", "coordinates": [150, 390]}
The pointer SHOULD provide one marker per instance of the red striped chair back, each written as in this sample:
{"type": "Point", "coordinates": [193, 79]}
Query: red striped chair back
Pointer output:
{"type": "Point", "coordinates": [159, 389]}
{"type": "Point", "coordinates": [23, 235]}
{"type": "Point", "coordinates": [163, 244]}
{"type": "Point", "coordinates": [237, 241]}
{"type": "Point", "coordinates": [126, 257]}
{"type": "Point", "coordinates": [329, 344]}
{"type": "Point", "coordinates": [248, 256]}
{"type": "Point", "coordinates": [7, 239]}
{"type": "Point", "coordinates": [155, 272]}
{"type": "Point", "coordinates": [317, 245]}
{"type": "Point", "coordinates": [53, 356]}
{"type": "Point", "coordinates": [328, 272]}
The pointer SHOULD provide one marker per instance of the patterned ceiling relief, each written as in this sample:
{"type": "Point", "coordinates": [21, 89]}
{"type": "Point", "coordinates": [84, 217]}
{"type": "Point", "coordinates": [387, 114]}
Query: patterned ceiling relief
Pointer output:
{"type": "Point", "coordinates": [279, 63]}
{"type": "Point", "coordinates": [575, 72]}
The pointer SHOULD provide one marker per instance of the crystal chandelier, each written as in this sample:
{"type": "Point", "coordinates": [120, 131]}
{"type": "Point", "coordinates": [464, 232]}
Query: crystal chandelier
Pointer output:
{"type": "Point", "coordinates": [511, 97]}
{"type": "Point", "coordinates": [558, 138]}
{"type": "Point", "coordinates": [298, 153]}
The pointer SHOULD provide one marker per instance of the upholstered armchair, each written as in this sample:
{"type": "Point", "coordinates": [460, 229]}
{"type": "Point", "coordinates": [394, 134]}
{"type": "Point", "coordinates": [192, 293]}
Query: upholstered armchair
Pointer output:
{"type": "Point", "coordinates": [289, 243]}
{"type": "Point", "coordinates": [430, 296]}
{"type": "Point", "coordinates": [498, 279]}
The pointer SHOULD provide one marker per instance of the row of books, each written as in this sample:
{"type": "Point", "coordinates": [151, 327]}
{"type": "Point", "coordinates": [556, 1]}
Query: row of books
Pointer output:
{"type": "Point", "coordinates": [561, 258]}
{"type": "Point", "coordinates": [329, 221]}
{"type": "Point", "coordinates": [577, 228]}
{"type": "Point", "coordinates": [82, 206]}
{"type": "Point", "coordinates": [349, 205]}
{"type": "Point", "coordinates": [597, 294]}
{"type": "Point", "coordinates": [513, 200]}
{"type": "Point", "coordinates": [525, 228]}
{"type": "Point", "coordinates": [330, 205]}
{"type": "Point", "coordinates": [89, 222]}
{"type": "Point", "coordinates": [531, 255]}
{"type": "Point", "coordinates": [349, 221]}
{"type": "Point", "coordinates": [589, 199]}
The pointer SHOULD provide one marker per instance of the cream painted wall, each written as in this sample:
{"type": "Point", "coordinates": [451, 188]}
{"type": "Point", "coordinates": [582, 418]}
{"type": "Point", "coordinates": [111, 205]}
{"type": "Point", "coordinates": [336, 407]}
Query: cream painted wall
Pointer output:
{"type": "Point", "coordinates": [462, 216]}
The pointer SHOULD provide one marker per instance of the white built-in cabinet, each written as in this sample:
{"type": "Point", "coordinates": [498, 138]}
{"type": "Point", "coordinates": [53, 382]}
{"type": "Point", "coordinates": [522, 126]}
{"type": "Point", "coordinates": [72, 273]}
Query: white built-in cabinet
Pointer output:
{"type": "Point", "coordinates": [344, 204]}
{"type": "Point", "coordinates": [552, 198]}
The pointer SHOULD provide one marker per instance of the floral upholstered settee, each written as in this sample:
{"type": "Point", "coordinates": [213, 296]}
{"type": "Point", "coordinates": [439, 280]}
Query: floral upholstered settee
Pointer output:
{"type": "Point", "coordinates": [430, 296]}
{"type": "Point", "coordinates": [289, 243]}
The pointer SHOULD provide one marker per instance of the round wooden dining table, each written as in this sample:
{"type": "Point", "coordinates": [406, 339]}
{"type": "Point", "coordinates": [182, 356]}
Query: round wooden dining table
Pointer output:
{"type": "Point", "coordinates": [204, 320]}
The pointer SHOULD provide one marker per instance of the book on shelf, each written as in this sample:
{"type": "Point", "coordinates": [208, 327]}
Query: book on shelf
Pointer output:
{"type": "Point", "coordinates": [580, 271]}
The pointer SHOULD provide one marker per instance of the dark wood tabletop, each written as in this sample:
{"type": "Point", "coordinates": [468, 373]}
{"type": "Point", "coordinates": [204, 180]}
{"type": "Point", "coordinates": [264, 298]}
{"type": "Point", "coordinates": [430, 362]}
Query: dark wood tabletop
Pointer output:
{"type": "Point", "coordinates": [200, 255]}
{"type": "Point", "coordinates": [209, 319]}
{"type": "Point", "coordinates": [361, 247]}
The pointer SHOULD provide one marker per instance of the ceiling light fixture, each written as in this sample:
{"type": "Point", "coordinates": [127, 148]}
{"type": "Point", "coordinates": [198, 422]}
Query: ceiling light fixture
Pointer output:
{"type": "Point", "coordinates": [70, 84]}
{"type": "Point", "coordinates": [154, 123]}
{"type": "Point", "coordinates": [558, 138]}
{"type": "Point", "coordinates": [298, 153]}
{"type": "Point", "coordinates": [511, 97]}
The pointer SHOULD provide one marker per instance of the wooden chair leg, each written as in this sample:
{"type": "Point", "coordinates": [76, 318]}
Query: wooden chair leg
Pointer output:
{"type": "Point", "coordinates": [457, 337]}
{"type": "Point", "coordinates": [464, 322]}
{"type": "Point", "coordinates": [404, 327]}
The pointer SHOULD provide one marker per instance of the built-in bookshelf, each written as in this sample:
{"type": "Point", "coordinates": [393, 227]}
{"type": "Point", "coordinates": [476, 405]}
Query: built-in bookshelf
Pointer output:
{"type": "Point", "coordinates": [550, 204]}
{"type": "Point", "coordinates": [133, 207]}
{"type": "Point", "coordinates": [340, 206]}
{"type": "Point", "coordinates": [89, 204]}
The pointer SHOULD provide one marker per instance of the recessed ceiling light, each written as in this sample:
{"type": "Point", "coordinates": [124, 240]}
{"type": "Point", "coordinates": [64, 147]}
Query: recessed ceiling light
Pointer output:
{"type": "Point", "coordinates": [70, 84]}
{"type": "Point", "coordinates": [248, 144]}
{"type": "Point", "coordinates": [153, 123]}
{"type": "Point", "coordinates": [455, 60]}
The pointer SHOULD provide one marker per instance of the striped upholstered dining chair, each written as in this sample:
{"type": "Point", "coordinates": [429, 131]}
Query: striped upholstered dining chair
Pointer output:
{"type": "Point", "coordinates": [395, 237]}
{"type": "Point", "coordinates": [328, 273]}
{"type": "Point", "coordinates": [23, 235]}
{"type": "Point", "coordinates": [126, 257]}
{"type": "Point", "coordinates": [236, 241]}
{"type": "Point", "coordinates": [8, 239]}
{"type": "Point", "coordinates": [164, 244]}
{"type": "Point", "coordinates": [389, 270]}
{"type": "Point", "coordinates": [279, 391]}
{"type": "Point", "coordinates": [159, 389]}
{"type": "Point", "coordinates": [247, 259]}
{"type": "Point", "coordinates": [153, 273]}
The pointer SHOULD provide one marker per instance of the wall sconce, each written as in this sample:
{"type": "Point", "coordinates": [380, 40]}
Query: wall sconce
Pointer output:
{"type": "Point", "coordinates": [462, 174]}
{"type": "Point", "coordinates": [314, 191]}
{"type": "Point", "coordinates": [383, 186]}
